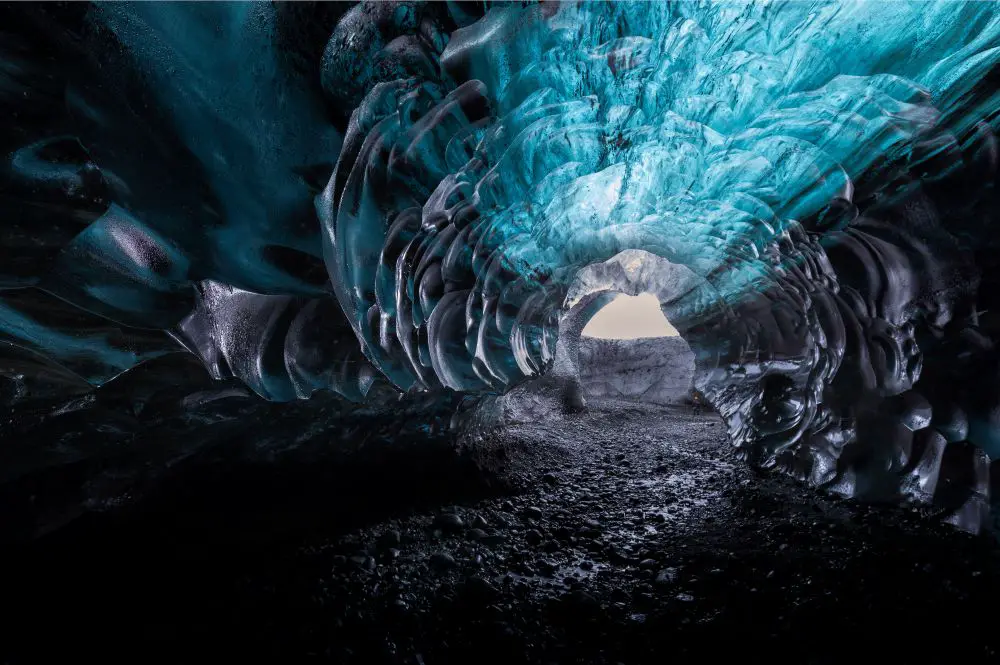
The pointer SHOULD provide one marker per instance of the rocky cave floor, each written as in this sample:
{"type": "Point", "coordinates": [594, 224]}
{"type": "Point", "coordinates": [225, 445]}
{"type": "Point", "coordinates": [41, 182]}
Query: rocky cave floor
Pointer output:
{"type": "Point", "coordinates": [625, 534]}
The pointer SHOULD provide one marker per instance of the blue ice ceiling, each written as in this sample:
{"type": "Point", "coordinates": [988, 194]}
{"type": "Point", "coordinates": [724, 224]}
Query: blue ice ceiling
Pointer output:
{"type": "Point", "coordinates": [407, 202]}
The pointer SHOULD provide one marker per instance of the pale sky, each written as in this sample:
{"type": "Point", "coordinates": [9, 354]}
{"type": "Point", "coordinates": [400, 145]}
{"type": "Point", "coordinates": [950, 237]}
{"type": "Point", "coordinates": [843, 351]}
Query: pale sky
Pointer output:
{"type": "Point", "coordinates": [630, 317]}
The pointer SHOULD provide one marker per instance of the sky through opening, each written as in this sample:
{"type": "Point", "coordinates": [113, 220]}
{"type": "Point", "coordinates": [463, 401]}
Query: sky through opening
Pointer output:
{"type": "Point", "coordinates": [630, 317]}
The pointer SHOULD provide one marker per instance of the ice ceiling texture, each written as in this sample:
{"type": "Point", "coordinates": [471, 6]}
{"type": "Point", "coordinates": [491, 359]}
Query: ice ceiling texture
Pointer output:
{"type": "Point", "coordinates": [426, 196]}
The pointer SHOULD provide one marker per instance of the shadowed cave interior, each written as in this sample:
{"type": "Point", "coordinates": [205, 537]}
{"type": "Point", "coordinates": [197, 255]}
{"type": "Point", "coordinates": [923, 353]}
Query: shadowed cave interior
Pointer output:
{"type": "Point", "coordinates": [418, 333]}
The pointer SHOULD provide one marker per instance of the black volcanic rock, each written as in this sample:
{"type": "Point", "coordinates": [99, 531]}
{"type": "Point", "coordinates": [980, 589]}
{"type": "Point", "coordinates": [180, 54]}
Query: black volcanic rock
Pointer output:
{"type": "Point", "coordinates": [738, 556]}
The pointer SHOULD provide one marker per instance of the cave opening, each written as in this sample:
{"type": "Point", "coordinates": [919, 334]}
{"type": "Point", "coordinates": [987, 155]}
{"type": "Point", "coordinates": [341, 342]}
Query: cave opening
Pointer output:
{"type": "Point", "coordinates": [630, 351]}
{"type": "Point", "coordinates": [616, 333]}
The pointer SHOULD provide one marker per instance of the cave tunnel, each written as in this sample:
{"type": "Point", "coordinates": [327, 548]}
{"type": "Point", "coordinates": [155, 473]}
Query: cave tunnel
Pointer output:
{"type": "Point", "coordinates": [428, 333]}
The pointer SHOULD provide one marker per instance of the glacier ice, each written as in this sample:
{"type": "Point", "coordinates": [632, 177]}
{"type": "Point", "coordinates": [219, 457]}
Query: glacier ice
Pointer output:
{"type": "Point", "coordinates": [658, 370]}
{"type": "Point", "coordinates": [788, 171]}
{"type": "Point", "coordinates": [808, 188]}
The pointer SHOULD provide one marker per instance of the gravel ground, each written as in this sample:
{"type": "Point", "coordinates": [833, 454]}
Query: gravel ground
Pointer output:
{"type": "Point", "coordinates": [624, 534]}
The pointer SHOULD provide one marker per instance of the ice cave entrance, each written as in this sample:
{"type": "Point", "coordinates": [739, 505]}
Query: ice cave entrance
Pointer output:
{"type": "Point", "coordinates": [630, 351]}
{"type": "Point", "coordinates": [616, 339]}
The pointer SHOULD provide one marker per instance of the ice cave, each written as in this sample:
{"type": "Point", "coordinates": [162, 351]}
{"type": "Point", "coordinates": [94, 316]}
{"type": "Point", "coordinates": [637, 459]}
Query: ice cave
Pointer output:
{"type": "Point", "coordinates": [417, 333]}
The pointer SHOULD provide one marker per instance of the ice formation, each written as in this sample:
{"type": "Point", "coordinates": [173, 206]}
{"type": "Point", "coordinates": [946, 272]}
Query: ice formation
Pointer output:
{"type": "Point", "coordinates": [659, 370]}
{"type": "Point", "coordinates": [807, 187]}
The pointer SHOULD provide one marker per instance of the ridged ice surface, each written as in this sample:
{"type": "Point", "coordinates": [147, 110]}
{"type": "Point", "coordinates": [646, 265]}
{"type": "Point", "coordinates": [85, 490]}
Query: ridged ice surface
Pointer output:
{"type": "Point", "coordinates": [807, 187]}
{"type": "Point", "coordinates": [740, 141]}
{"type": "Point", "coordinates": [700, 133]}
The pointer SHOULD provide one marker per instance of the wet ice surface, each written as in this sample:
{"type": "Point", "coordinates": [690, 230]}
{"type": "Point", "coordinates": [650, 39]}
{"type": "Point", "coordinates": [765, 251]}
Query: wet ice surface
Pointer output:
{"type": "Point", "coordinates": [625, 534]}
{"type": "Point", "coordinates": [812, 212]}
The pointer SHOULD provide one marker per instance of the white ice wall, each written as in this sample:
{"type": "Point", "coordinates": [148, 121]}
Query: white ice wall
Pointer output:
{"type": "Point", "coordinates": [657, 369]}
